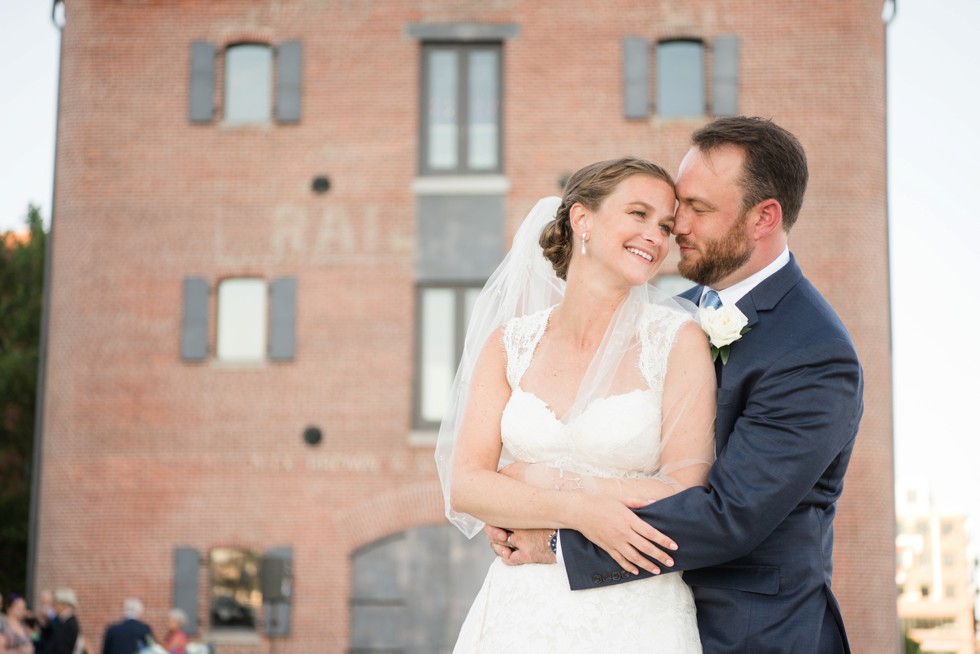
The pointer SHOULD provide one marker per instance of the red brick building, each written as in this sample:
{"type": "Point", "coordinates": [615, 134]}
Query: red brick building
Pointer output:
{"type": "Point", "coordinates": [269, 217]}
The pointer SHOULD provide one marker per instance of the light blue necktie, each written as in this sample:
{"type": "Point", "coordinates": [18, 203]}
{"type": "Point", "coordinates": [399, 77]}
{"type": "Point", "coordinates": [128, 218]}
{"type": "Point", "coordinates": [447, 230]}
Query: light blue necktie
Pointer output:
{"type": "Point", "coordinates": [711, 300]}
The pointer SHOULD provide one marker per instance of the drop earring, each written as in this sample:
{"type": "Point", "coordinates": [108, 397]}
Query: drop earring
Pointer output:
{"type": "Point", "coordinates": [585, 235]}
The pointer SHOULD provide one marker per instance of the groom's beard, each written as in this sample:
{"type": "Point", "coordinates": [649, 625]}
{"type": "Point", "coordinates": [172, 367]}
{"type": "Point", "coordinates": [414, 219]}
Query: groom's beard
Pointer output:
{"type": "Point", "coordinates": [717, 259]}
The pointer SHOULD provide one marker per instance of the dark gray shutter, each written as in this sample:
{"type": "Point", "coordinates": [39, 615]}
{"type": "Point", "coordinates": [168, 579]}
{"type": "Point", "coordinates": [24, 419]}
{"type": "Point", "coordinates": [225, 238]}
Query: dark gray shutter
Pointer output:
{"type": "Point", "coordinates": [289, 75]}
{"type": "Point", "coordinates": [636, 103]}
{"type": "Point", "coordinates": [282, 319]}
{"type": "Point", "coordinates": [187, 569]}
{"type": "Point", "coordinates": [201, 103]}
{"type": "Point", "coordinates": [459, 238]}
{"type": "Point", "coordinates": [277, 590]}
{"type": "Point", "coordinates": [725, 84]}
{"type": "Point", "coordinates": [194, 329]}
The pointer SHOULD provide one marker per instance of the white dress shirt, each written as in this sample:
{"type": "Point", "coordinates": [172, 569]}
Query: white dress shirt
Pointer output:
{"type": "Point", "coordinates": [735, 292]}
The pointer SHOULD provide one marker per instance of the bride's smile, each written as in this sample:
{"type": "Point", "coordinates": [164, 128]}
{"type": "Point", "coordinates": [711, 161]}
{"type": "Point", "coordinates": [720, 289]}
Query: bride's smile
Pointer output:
{"type": "Point", "coordinates": [640, 253]}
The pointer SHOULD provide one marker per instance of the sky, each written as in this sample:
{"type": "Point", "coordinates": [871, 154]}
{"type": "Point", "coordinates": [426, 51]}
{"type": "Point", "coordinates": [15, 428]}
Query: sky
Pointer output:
{"type": "Point", "coordinates": [933, 143]}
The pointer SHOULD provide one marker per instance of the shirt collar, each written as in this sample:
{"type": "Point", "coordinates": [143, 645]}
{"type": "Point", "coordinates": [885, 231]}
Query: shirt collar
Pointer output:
{"type": "Point", "coordinates": [735, 292]}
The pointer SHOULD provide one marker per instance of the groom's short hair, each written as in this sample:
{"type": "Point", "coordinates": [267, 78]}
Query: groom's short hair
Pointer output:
{"type": "Point", "coordinates": [775, 162]}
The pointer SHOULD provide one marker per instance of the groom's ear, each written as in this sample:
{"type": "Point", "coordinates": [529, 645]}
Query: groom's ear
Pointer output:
{"type": "Point", "coordinates": [768, 219]}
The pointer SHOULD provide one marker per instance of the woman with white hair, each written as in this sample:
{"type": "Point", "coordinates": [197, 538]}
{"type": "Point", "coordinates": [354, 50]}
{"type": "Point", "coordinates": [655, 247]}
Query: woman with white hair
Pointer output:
{"type": "Point", "coordinates": [175, 641]}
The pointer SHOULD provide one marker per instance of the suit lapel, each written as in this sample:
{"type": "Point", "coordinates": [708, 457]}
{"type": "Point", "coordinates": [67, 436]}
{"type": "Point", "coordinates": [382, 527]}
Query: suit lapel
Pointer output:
{"type": "Point", "coordinates": [693, 294]}
{"type": "Point", "coordinates": [759, 301]}
{"type": "Point", "coordinates": [770, 291]}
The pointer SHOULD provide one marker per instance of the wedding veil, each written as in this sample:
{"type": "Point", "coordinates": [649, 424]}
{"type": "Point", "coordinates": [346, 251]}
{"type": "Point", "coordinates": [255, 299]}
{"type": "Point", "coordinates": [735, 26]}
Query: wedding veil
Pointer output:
{"type": "Point", "coordinates": [525, 283]}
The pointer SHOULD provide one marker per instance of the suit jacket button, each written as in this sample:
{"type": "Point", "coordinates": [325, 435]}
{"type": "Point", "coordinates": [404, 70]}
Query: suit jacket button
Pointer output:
{"type": "Point", "coordinates": [607, 578]}
{"type": "Point", "coordinates": [596, 579]}
{"type": "Point", "coordinates": [616, 576]}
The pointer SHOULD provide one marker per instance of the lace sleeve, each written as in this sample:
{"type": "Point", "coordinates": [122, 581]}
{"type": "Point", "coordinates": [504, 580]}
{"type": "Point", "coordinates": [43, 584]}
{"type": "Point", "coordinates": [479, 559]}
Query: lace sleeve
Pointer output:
{"type": "Point", "coordinates": [657, 340]}
{"type": "Point", "coordinates": [521, 337]}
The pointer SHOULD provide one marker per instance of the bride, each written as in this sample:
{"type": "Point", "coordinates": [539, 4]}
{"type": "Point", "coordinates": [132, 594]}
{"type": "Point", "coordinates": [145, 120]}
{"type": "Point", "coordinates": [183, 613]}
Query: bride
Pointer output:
{"type": "Point", "coordinates": [602, 388]}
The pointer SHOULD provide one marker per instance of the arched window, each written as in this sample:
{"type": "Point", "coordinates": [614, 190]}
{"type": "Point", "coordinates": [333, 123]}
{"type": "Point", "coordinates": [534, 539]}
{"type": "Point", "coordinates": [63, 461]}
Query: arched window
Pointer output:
{"type": "Point", "coordinates": [248, 95]}
{"type": "Point", "coordinates": [680, 79]}
{"type": "Point", "coordinates": [412, 590]}
{"type": "Point", "coordinates": [248, 84]}
{"type": "Point", "coordinates": [242, 320]}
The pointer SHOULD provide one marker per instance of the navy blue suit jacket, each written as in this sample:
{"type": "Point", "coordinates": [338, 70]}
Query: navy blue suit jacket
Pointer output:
{"type": "Point", "coordinates": [757, 546]}
{"type": "Point", "coordinates": [126, 637]}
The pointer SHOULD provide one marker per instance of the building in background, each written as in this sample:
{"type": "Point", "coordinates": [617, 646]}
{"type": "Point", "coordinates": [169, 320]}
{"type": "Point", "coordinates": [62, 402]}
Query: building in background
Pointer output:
{"type": "Point", "coordinates": [270, 219]}
{"type": "Point", "coordinates": [935, 575]}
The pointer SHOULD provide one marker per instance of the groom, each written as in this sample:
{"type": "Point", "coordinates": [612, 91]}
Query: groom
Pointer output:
{"type": "Point", "coordinates": [756, 547]}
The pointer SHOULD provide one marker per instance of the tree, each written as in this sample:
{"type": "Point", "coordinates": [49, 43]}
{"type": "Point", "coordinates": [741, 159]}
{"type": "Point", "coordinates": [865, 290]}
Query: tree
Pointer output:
{"type": "Point", "coordinates": [21, 289]}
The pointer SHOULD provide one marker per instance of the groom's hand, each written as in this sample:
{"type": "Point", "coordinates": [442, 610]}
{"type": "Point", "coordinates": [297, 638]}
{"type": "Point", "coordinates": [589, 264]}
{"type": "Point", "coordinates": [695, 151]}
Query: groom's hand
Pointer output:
{"type": "Point", "coordinates": [498, 540]}
{"type": "Point", "coordinates": [523, 546]}
{"type": "Point", "coordinates": [533, 546]}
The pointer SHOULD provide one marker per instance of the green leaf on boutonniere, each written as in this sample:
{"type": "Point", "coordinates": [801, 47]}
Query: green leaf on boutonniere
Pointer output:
{"type": "Point", "coordinates": [725, 350]}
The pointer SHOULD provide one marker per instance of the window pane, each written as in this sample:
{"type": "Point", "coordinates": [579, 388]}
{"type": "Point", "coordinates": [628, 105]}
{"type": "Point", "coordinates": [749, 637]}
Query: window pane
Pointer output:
{"type": "Point", "coordinates": [235, 594]}
{"type": "Point", "coordinates": [680, 79]}
{"type": "Point", "coordinates": [443, 130]}
{"type": "Point", "coordinates": [242, 320]}
{"type": "Point", "coordinates": [248, 84]}
{"type": "Point", "coordinates": [469, 300]}
{"type": "Point", "coordinates": [438, 356]}
{"type": "Point", "coordinates": [484, 101]}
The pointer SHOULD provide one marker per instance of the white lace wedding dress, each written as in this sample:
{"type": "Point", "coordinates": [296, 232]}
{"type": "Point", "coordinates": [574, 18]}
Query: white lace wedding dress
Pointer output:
{"type": "Point", "coordinates": [530, 608]}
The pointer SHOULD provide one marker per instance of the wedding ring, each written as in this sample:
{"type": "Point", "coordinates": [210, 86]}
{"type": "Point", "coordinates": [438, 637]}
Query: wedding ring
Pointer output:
{"type": "Point", "coordinates": [510, 543]}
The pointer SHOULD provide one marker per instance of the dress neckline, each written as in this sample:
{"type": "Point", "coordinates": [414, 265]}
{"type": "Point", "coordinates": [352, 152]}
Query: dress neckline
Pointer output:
{"type": "Point", "coordinates": [596, 401]}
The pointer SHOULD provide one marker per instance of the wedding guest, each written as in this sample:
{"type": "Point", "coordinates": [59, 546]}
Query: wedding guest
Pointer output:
{"type": "Point", "coordinates": [66, 630]}
{"type": "Point", "coordinates": [15, 634]}
{"type": "Point", "coordinates": [175, 641]}
{"type": "Point", "coordinates": [130, 634]}
{"type": "Point", "coordinates": [47, 619]}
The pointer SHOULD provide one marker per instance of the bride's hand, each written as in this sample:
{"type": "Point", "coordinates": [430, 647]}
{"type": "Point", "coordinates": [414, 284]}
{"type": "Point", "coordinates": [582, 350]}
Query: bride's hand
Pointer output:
{"type": "Point", "coordinates": [609, 523]}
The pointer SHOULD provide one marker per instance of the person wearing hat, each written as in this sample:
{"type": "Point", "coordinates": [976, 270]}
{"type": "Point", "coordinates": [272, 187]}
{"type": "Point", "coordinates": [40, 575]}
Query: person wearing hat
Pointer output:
{"type": "Point", "coordinates": [66, 630]}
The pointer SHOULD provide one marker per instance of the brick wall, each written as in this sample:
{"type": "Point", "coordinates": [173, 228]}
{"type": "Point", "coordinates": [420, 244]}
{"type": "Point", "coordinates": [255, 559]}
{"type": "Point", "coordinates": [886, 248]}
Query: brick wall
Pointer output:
{"type": "Point", "coordinates": [144, 452]}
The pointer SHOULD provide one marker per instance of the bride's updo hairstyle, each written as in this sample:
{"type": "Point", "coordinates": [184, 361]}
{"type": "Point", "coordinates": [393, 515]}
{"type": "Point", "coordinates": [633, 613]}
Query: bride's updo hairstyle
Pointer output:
{"type": "Point", "coordinates": [589, 187]}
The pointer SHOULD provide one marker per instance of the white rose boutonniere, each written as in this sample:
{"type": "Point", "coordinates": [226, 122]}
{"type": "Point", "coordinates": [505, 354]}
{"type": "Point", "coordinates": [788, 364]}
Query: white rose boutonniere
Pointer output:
{"type": "Point", "coordinates": [724, 326]}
